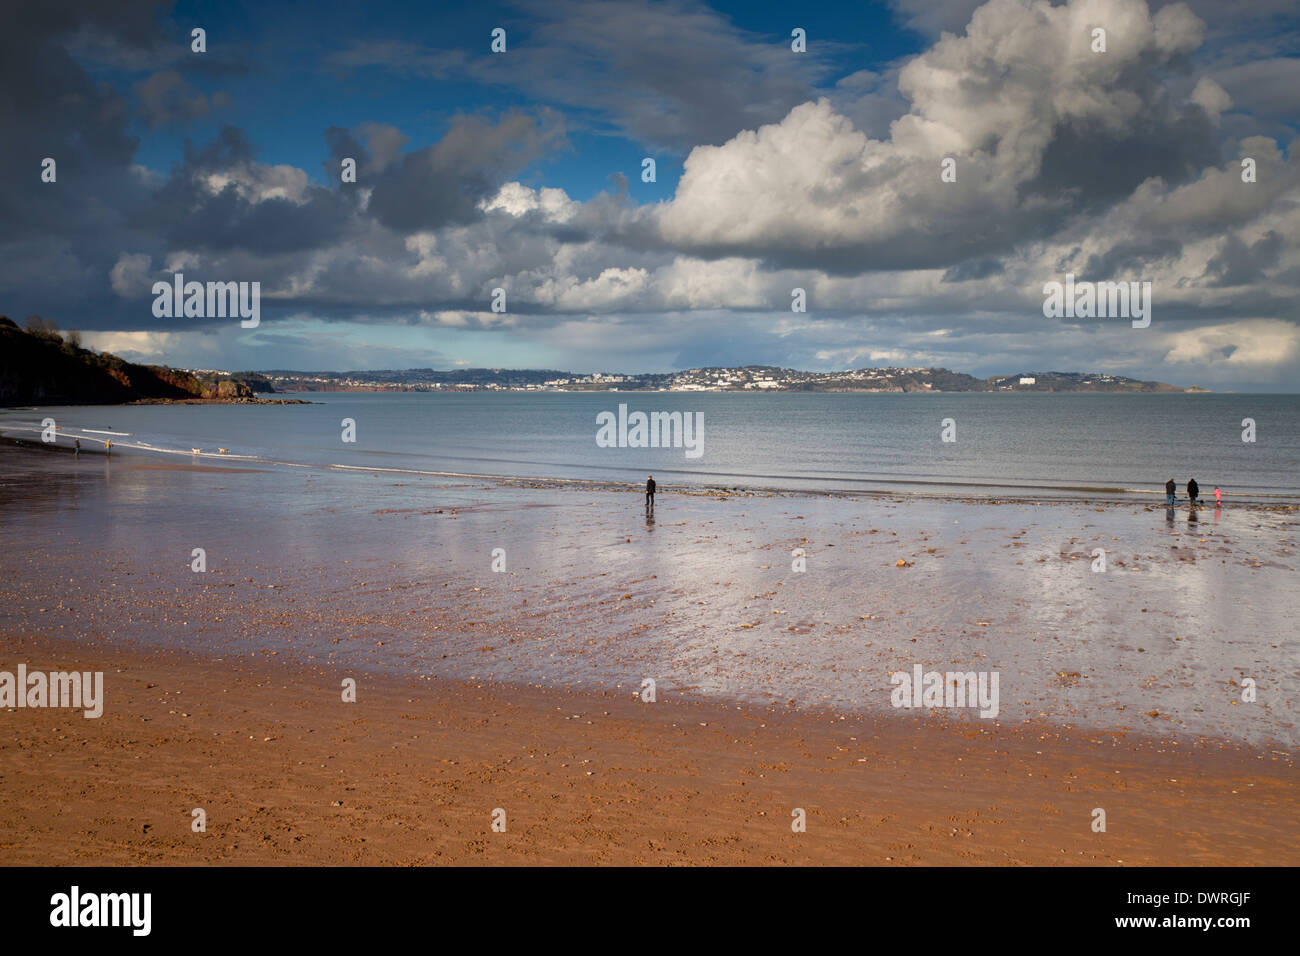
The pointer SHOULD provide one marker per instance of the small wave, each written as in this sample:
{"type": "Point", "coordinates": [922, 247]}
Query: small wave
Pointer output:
{"type": "Point", "coordinates": [924, 488]}
{"type": "Point", "coordinates": [566, 474]}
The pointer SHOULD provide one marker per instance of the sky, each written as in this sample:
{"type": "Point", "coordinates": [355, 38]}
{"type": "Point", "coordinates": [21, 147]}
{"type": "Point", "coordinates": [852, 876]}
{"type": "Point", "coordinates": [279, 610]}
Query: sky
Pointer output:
{"type": "Point", "coordinates": [776, 169]}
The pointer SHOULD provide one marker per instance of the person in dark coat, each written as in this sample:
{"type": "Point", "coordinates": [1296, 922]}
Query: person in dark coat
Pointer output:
{"type": "Point", "coordinates": [650, 493]}
{"type": "Point", "coordinates": [1171, 489]}
{"type": "Point", "coordinates": [1193, 490]}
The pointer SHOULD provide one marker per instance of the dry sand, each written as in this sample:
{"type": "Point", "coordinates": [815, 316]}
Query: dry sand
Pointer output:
{"type": "Point", "coordinates": [410, 774]}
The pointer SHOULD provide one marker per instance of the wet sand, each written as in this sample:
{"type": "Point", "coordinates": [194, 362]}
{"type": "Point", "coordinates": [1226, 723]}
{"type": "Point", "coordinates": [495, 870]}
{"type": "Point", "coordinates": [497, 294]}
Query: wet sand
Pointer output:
{"type": "Point", "coordinates": [398, 576]}
{"type": "Point", "coordinates": [412, 772]}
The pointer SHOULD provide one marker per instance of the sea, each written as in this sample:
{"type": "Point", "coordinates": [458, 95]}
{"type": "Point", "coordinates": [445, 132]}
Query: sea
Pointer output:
{"type": "Point", "coordinates": [946, 444]}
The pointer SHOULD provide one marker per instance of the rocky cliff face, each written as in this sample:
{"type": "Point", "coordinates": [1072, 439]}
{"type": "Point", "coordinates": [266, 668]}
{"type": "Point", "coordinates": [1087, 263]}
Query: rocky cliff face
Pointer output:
{"type": "Point", "coordinates": [40, 368]}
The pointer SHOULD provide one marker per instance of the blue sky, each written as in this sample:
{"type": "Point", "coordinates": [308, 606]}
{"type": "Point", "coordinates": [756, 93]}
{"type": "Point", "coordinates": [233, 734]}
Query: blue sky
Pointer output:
{"type": "Point", "coordinates": [775, 170]}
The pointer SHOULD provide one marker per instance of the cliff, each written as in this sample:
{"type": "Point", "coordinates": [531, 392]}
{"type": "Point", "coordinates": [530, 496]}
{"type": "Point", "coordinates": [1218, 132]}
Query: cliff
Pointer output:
{"type": "Point", "coordinates": [40, 367]}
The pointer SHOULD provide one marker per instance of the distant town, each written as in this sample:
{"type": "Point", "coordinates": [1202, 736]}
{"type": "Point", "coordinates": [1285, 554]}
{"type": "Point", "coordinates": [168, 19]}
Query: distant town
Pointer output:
{"type": "Point", "coordinates": [750, 378]}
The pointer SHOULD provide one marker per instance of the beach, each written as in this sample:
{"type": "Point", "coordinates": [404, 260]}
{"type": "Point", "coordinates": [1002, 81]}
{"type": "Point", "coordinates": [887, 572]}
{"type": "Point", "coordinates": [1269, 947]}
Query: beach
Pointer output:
{"type": "Point", "coordinates": [1119, 689]}
{"type": "Point", "coordinates": [412, 772]}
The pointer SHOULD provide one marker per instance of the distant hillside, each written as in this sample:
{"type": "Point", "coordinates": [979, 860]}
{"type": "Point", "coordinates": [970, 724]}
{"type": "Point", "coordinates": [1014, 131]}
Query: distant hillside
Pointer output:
{"type": "Point", "coordinates": [1078, 382]}
{"type": "Point", "coordinates": [411, 379]}
{"type": "Point", "coordinates": [40, 367]}
{"type": "Point", "coordinates": [750, 378]}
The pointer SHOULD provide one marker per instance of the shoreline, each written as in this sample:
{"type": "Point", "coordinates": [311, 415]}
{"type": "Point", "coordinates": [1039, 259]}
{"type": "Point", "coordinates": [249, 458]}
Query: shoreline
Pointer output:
{"type": "Point", "coordinates": [1083, 494]}
{"type": "Point", "coordinates": [412, 772]}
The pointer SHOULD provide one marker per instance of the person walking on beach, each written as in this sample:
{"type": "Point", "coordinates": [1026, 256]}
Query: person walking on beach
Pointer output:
{"type": "Point", "coordinates": [650, 493]}
{"type": "Point", "coordinates": [1218, 496]}
{"type": "Point", "coordinates": [1171, 489]}
{"type": "Point", "coordinates": [1193, 491]}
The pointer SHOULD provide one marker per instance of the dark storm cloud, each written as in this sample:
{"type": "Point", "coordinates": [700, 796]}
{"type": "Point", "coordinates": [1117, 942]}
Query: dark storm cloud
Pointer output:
{"type": "Point", "coordinates": [1237, 263]}
{"type": "Point", "coordinates": [187, 213]}
{"type": "Point", "coordinates": [127, 24]}
{"type": "Point", "coordinates": [1094, 166]}
{"type": "Point", "coordinates": [973, 269]}
{"type": "Point", "coordinates": [1127, 258]}
{"type": "Point", "coordinates": [59, 239]}
{"type": "Point", "coordinates": [1265, 94]}
{"type": "Point", "coordinates": [50, 108]}
{"type": "Point", "coordinates": [443, 184]}
{"type": "Point", "coordinates": [166, 97]}
{"type": "Point", "coordinates": [228, 221]}
{"type": "Point", "coordinates": [673, 75]}
{"type": "Point", "coordinates": [374, 146]}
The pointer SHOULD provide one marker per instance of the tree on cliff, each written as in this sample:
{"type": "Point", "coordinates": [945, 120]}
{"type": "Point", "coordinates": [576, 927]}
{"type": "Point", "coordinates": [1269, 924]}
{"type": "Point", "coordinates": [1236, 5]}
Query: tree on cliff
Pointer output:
{"type": "Point", "coordinates": [39, 326]}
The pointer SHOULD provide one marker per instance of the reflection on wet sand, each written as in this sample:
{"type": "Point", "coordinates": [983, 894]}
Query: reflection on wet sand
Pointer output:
{"type": "Point", "coordinates": [394, 575]}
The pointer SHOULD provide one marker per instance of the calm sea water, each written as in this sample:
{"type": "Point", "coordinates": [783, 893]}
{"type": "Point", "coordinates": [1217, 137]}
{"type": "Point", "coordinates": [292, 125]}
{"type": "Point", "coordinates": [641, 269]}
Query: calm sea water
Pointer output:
{"type": "Point", "coordinates": [1040, 444]}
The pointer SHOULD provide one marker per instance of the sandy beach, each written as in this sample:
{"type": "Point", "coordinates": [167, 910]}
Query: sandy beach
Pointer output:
{"type": "Point", "coordinates": [517, 689]}
{"type": "Point", "coordinates": [412, 772]}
